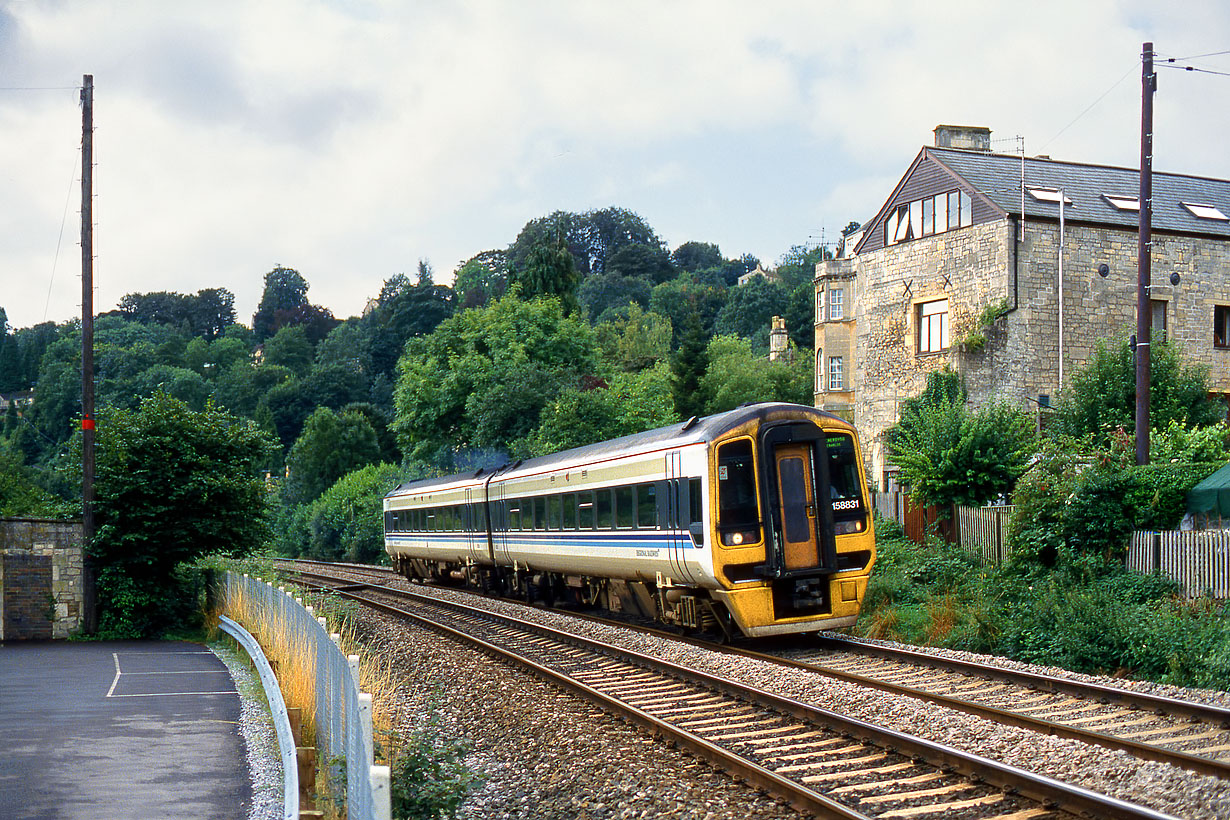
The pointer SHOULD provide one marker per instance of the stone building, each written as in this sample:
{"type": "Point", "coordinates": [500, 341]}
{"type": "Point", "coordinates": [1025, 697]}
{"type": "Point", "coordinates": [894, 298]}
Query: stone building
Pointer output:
{"type": "Point", "coordinates": [973, 263]}
{"type": "Point", "coordinates": [42, 579]}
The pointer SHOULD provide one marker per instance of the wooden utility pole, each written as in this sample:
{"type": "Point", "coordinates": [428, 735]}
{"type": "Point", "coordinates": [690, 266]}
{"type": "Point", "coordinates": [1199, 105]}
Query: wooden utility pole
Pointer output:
{"type": "Point", "coordinates": [1144, 272]}
{"type": "Point", "coordinates": [87, 323]}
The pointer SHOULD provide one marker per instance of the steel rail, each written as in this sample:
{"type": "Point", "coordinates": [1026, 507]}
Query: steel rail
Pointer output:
{"type": "Point", "coordinates": [1156, 704]}
{"type": "Point", "coordinates": [1010, 779]}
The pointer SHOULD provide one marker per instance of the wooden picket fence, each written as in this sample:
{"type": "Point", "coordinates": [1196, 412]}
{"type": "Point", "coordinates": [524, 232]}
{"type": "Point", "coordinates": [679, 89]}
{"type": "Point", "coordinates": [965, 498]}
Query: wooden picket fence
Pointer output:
{"type": "Point", "coordinates": [1199, 561]}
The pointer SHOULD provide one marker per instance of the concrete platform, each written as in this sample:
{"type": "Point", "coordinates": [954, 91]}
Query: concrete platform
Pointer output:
{"type": "Point", "coordinates": [119, 730]}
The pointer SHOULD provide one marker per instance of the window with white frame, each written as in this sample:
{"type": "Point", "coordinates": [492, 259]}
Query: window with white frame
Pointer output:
{"type": "Point", "coordinates": [933, 326]}
{"type": "Point", "coordinates": [835, 374]}
{"type": "Point", "coordinates": [836, 303]}
{"type": "Point", "coordinates": [820, 291]}
{"type": "Point", "coordinates": [924, 217]}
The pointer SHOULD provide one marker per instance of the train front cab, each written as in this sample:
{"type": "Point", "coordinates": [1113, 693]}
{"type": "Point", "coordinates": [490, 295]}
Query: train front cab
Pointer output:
{"type": "Point", "coordinates": [789, 561]}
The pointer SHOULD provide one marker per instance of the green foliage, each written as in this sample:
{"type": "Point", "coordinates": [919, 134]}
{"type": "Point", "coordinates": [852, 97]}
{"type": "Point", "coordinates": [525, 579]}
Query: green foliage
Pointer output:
{"type": "Point", "coordinates": [603, 294]}
{"type": "Point", "coordinates": [1180, 444]}
{"type": "Point", "coordinates": [483, 376]}
{"type": "Point", "coordinates": [948, 455]}
{"type": "Point", "coordinates": [22, 497]}
{"type": "Point", "coordinates": [330, 446]}
{"type": "Point", "coordinates": [632, 403]}
{"type": "Point", "coordinates": [285, 291]}
{"type": "Point", "coordinates": [346, 523]}
{"type": "Point", "coordinates": [481, 278]}
{"type": "Point", "coordinates": [1102, 396]}
{"type": "Point", "coordinates": [172, 484]}
{"type": "Point", "coordinates": [750, 308]}
{"type": "Point", "coordinates": [638, 341]}
{"type": "Point", "coordinates": [694, 256]}
{"type": "Point", "coordinates": [549, 270]}
{"type": "Point", "coordinates": [289, 347]}
{"type": "Point", "coordinates": [688, 366]}
{"type": "Point", "coordinates": [1091, 616]}
{"type": "Point", "coordinates": [736, 375]}
{"type": "Point", "coordinates": [650, 263]}
{"type": "Point", "coordinates": [429, 776]}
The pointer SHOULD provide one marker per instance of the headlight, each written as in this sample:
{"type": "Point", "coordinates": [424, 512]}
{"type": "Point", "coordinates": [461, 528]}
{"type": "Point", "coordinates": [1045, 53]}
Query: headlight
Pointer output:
{"type": "Point", "coordinates": [847, 527]}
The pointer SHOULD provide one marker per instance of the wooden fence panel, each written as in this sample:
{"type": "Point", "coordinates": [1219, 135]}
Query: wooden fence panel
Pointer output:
{"type": "Point", "coordinates": [1199, 561]}
{"type": "Point", "coordinates": [981, 531]}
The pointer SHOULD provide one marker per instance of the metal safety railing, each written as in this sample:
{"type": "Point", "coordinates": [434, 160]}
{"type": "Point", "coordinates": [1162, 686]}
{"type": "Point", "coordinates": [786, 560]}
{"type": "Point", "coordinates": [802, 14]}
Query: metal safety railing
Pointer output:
{"type": "Point", "coordinates": [342, 715]}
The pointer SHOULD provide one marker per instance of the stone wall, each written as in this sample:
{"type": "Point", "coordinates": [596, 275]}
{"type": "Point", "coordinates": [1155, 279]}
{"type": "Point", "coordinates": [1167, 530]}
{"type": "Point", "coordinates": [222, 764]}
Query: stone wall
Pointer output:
{"type": "Point", "coordinates": [1017, 357]}
{"type": "Point", "coordinates": [42, 578]}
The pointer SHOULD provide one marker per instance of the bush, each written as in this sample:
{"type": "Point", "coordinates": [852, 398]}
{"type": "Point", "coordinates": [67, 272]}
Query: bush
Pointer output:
{"type": "Point", "coordinates": [429, 776]}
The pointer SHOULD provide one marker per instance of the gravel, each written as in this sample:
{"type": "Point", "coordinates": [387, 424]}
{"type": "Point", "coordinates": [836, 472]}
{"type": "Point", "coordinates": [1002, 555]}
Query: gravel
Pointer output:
{"type": "Point", "coordinates": [260, 739]}
{"type": "Point", "coordinates": [546, 754]}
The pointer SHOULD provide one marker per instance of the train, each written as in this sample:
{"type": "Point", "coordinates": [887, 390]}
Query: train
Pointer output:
{"type": "Point", "coordinates": [752, 522]}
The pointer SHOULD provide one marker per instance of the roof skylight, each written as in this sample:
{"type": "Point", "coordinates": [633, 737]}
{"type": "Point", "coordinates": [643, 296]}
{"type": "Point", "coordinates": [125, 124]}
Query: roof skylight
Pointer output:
{"type": "Point", "coordinates": [1204, 211]}
{"type": "Point", "coordinates": [1048, 195]}
{"type": "Point", "coordinates": [1123, 203]}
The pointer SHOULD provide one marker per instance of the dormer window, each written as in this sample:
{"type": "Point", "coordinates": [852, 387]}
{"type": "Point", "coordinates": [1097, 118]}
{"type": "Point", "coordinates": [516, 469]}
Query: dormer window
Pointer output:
{"type": "Point", "coordinates": [925, 217]}
{"type": "Point", "coordinates": [1123, 203]}
{"type": "Point", "coordinates": [1048, 195]}
{"type": "Point", "coordinates": [1205, 211]}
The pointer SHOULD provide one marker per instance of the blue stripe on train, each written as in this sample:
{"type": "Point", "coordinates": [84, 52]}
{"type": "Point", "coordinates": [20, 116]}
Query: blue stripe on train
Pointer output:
{"type": "Point", "coordinates": [617, 540]}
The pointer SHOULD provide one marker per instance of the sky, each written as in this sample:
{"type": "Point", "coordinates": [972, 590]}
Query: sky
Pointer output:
{"type": "Point", "coordinates": [349, 139]}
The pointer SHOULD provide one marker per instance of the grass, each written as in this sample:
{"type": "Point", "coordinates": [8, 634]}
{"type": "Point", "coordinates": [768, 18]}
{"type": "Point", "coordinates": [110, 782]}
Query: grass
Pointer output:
{"type": "Point", "coordinates": [1083, 615]}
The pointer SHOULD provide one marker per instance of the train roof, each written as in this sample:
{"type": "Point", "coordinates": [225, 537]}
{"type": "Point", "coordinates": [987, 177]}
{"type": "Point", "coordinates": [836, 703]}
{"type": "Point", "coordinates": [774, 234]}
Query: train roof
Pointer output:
{"type": "Point", "coordinates": [692, 431]}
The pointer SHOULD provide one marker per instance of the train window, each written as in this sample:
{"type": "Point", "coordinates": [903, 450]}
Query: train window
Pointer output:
{"type": "Point", "coordinates": [843, 476]}
{"type": "Point", "coordinates": [416, 521]}
{"type": "Point", "coordinates": [514, 514]}
{"type": "Point", "coordinates": [553, 512]}
{"type": "Point", "coordinates": [570, 511]}
{"type": "Point", "coordinates": [694, 501]}
{"type": "Point", "coordinates": [625, 508]}
{"type": "Point", "coordinates": [738, 512]}
{"type": "Point", "coordinates": [585, 510]}
{"type": "Point", "coordinates": [602, 504]}
{"type": "Point", "coordinates": [539, 514]}
{"type": "Point", "coordinates": [646, 507]}
{"type": "Point", "coordinates": [431, 520]}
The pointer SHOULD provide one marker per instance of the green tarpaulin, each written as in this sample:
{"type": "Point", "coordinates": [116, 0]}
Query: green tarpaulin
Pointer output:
{"type": "Point", "coordinates": [1211, 496]}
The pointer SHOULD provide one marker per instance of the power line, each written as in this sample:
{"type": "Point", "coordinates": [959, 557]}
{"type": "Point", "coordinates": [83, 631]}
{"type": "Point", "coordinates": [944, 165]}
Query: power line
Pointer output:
{"type": "Point", "coordinates": [1197, 56]}
{"type": "Point", "coordinates": [60, 241]}
{"type": "Point", "coordinates": [1116, 84]}
{"type": "Point", "coordinates": [1197, 70]}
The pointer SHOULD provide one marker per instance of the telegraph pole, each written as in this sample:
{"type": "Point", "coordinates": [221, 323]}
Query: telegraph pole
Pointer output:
{"type": "Point", "coordinates": [87, 307]}
{"type": "Point", "coordinates": [1144, 315]}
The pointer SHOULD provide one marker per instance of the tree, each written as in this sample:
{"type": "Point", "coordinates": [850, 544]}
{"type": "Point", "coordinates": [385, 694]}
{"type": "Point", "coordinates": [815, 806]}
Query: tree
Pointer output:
{"type": "Point", "coordinates": [605, 293]}
{"type": "Point", "coordinates": [402, 311]}
{"type": "Point", "coordinates": [649, 262]}
{"type": "Point", "coordinates": [736, 375]}
{"type": "Point", "coordinates": [636, 342]}
{"type": "Point", "coordinates": [331, 445]}
{"type": "Point", "coordinates": [10, 358]}
{"type": "Point", "coordinates": [172, 484]}
{"type": "Point", "coordinates": [632, 403]}
{"type": "Point", "coordinates": [948, 455]}
{"type": "Point", "coordinates": [797, 266]}
{"type": "Point", "coordinates": [750, 308]}
{"type": "Point", "coordinates": [290, 348]}
{"type": "Point", "coordinates": [591, 237]}
{"type": "Point", "coordinates": [688, 365]}
{"type": "Point", "coordinates": [483, 375]}
{"type": "Point", "coordinates": [481, 278]}
{"type": "Point", "coordinates": [1101, 397]}
{"type": "Point", "coordinates": [285, 290]}
{"type": "Point", "coordinates": [346, 523]}
{"type": "Point", "coordinates": [549, 271]}
{"type": "Point", "coordinates": [694, 256]}
{"type": "Point", "coordinates": [686, 295]}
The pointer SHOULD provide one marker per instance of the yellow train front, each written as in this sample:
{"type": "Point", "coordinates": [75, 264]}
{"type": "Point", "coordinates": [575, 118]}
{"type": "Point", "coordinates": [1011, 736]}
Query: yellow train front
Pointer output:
{"type": "Point", "coordinates": [751, 522]}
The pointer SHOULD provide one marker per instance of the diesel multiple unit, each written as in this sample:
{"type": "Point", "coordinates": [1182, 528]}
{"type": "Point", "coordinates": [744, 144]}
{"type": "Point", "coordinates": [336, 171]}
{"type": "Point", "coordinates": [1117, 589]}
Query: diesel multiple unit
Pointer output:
{"type": "Point", "coordinates": [753, 521]}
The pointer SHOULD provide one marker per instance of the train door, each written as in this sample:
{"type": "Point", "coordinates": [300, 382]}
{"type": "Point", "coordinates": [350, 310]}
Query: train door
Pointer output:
{"type": "Point", "coordinates": [678, 540]}
{"type": "Point", "coordinates": [475, 530]}
{"type": "Point", "coordinates": [496, 524]}
{"type": "Point", "coordinates": [797, 502]}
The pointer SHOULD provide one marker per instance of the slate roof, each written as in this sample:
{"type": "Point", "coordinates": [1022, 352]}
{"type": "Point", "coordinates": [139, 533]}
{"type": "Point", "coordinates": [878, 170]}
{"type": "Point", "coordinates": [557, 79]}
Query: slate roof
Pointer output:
{"type": "Point", "coordinates": [998, 176]}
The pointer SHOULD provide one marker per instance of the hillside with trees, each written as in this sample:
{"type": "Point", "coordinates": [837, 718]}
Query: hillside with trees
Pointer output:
{"type": "Point", "coordinates": [585, 327]}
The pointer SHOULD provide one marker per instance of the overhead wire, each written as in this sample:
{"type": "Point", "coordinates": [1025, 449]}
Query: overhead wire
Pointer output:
{"type": "Point", "coordinates": [63, 221]}
{"type": "Point", "coordinates": [1092, 105]}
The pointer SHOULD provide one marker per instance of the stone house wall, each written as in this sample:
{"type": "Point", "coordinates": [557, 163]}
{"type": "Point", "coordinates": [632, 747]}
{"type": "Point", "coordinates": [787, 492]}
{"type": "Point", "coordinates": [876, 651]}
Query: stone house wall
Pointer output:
{"type": "Point", "coordinates": [42, 578]}
{"type": "Point", "coordinates": [1019, 363]}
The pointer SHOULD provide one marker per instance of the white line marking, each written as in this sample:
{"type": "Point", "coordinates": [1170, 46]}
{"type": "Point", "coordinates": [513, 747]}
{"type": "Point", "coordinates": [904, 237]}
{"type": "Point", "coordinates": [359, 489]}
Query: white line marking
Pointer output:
{"type": "Point", "coordinates": [172, 694]}
{"type": "Point", "coordinates": [184, 672]}
{"type": "Point", "coordinates": [115, 655]}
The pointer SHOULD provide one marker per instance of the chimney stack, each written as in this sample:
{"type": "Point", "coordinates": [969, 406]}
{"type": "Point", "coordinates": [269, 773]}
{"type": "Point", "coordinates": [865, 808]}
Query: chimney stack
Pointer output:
{"type": "Point", "coordinates": [966, 137]}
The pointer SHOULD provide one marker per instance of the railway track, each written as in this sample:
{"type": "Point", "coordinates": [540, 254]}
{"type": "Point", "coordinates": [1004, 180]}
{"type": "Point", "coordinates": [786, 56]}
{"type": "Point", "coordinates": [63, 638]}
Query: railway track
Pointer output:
{"type": "Point", "coordinates": [1190, 735]}
{"type": "Point", "coordinates": [818, 760]}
